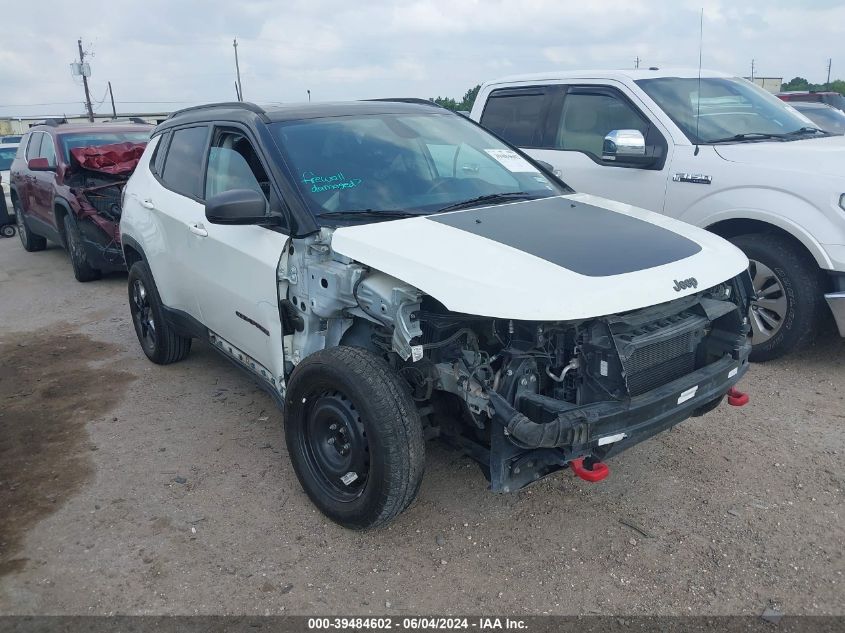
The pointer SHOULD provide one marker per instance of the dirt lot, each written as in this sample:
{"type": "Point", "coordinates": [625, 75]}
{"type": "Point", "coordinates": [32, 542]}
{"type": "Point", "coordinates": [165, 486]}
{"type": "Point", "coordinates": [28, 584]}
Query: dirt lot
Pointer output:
{"type": "Point", "coordinates": [131, 488]}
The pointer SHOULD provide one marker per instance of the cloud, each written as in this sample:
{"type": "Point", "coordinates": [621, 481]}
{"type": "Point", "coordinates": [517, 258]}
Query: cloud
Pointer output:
{"type": "Point", "coordinates": [162, 55]}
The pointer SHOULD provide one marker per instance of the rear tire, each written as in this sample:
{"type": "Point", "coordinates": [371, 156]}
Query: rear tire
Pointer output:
{"type": "Point", "coordinates": [82, 269]}
{"type": "Point", "coordinates": [354, 436]}
{"type": "Point", "coordinates": [30, 242]}
{"type": "Point", "coordinates": [158, 339]}
{"type": "Point", "coordinates": [7, 230]}
{"type": "Point", "coordinates": [791, 295]}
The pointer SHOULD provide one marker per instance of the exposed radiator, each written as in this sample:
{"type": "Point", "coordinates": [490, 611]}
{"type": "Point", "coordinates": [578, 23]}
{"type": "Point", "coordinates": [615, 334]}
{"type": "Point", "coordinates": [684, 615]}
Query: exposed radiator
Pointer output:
{"type": "Point", "coordinates": [657, 353]}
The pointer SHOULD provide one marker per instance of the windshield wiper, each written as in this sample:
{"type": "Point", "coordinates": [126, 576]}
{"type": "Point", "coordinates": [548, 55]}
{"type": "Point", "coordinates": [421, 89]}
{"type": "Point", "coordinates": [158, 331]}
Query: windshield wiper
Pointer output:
{"type": "Point", "coordinates": [807, 130]}
{"type": "Point", "coordinates": [748, 136]}
{"type": "Point", "coordinates": [490, 197]}
{"type": "Point", "coordinates": [352, 214]}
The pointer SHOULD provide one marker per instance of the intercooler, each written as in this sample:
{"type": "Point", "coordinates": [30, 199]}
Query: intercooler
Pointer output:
{"type": "Point", "coordinates": [655, 353]}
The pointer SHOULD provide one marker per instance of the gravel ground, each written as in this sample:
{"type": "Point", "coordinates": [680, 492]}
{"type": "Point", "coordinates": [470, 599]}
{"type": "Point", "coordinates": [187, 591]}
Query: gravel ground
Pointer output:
{"type": "Point", "coordinates": [131, 488]}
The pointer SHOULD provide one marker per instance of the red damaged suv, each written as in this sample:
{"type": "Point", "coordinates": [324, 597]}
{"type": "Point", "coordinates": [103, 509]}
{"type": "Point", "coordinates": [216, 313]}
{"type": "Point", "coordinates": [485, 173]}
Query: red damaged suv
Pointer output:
{"type": "Point", "coordinates": [66, 182]}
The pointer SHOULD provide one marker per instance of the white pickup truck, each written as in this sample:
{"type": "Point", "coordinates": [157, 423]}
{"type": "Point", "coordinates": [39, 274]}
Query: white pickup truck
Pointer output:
{"type": "Point", "coordinates": [736, 161]}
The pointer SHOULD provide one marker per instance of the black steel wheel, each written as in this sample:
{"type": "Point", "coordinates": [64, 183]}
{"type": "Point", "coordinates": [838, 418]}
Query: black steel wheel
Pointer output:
{"type": "Point", "coordinates": [335, 446]}
{"type": "Point", "coordinates": [354, 436]}
{"type": "Point", "coordinates": [159, 341]}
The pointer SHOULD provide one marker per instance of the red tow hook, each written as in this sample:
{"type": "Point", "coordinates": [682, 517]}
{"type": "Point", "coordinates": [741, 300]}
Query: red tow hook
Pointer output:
{"type": "Point", "coordinates": [737, 398]}
{"type": "Point", "coordinates": [598, 472]}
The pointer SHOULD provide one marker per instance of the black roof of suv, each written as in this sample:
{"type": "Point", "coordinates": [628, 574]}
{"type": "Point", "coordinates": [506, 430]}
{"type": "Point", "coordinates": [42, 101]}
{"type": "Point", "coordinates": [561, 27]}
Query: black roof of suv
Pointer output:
{"type": "Point", "coordinates": [246, 112]}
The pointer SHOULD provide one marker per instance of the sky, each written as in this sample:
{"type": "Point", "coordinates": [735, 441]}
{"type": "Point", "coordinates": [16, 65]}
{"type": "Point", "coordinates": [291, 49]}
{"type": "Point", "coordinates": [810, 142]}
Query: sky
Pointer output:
{"type": "Point", "coordinates": [162, 55]}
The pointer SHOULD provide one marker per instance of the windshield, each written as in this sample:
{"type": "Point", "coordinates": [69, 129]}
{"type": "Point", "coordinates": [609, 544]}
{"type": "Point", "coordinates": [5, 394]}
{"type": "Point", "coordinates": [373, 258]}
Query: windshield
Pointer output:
{"type": "Point", "coordinates": [7, 155]}
{"type": "Point", "coordinates": [829, 119]}
{"type": "Point", "coordinates": [94, 139]}
{"type": "Point", "coordinates": [411, 163]}
{"type": "Point", "coordinates": [730, 109]}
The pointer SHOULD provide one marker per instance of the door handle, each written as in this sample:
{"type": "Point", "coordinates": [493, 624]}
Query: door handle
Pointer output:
{"type": "Point", "coordinates": [148, 204]}
{"type": "Point", "coordinates": [198, 229]}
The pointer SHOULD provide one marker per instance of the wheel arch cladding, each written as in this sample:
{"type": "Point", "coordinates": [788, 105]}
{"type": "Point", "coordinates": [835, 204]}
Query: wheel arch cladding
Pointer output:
{"type": "Point", "coordinates": [745, 226]}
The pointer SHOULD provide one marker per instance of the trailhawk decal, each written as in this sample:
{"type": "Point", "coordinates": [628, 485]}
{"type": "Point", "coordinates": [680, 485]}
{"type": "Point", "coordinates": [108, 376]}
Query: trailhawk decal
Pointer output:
{"type": "Point", "coordinates": [583, 238]}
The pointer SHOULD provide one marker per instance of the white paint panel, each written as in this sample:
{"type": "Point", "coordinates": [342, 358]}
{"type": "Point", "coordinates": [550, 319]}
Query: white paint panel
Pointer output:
{"type": "Point", "coordinates": [476, 275]}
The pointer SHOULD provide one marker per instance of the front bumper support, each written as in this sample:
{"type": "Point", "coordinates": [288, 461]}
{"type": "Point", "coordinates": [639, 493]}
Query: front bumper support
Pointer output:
{"type": "Point", "coordinates": [523, 451]}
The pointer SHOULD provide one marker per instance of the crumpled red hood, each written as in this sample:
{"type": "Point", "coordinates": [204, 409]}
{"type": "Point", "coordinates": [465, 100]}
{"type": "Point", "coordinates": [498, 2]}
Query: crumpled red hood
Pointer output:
{"type": "Point", "coordinates": [117, 158]}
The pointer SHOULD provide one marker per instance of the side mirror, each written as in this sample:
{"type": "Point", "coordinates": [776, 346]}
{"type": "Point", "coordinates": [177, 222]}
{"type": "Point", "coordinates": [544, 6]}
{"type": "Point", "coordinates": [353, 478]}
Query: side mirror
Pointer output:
{"type": "Point", "coordinates": [626, 147]}
{"type": "Point", "coordinates": [39, 164]}
{"type": "Point", "coordinates": [237, 206]}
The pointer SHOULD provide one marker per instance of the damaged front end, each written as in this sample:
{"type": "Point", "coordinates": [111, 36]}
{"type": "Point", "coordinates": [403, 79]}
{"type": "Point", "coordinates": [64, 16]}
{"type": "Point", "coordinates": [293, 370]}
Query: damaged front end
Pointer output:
{"type": "Point", "coordinates": [523, 398]}
{"type": "Point", "coordinates": [96, 179]}
{"type": "Point", "coordinates": [528, 398]}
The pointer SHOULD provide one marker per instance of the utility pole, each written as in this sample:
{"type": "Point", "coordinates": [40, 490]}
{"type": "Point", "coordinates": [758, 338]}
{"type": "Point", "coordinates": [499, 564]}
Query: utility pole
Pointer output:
{"type": "Point", "coordinates": [85, 82]}
{"type": "Point", "coordinates": [238, 71]}
{"type": "Point", "coordinates": [637, 62]}
{"type": "Point", "coordinates": [829, 62]}
{"type": "Point", "coordinates": [752, 70]}
{"type": "Point", "coordinates": [113, 110]}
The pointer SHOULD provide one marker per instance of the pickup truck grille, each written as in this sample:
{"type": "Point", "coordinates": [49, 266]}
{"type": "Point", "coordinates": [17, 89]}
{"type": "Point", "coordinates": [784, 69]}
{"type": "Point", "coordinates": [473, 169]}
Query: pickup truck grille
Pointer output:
{"type": "Point", "coordinates": [661, 351]}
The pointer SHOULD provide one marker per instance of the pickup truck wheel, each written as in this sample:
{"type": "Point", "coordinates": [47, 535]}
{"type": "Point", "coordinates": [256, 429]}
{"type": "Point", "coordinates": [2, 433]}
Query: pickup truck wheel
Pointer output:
{"type": "Point", "coordinates": [29, 240]}
{"type": "Point", "coordinates": [158, 339]}
{"type": "Point", "coordinates": [790, 295]}
{"type": "Point", "coordinates": [7, 230]}
{"type": "Point", "coordinates": [82, 269]}
{"type": "Point", "coordinates": [354, 436]}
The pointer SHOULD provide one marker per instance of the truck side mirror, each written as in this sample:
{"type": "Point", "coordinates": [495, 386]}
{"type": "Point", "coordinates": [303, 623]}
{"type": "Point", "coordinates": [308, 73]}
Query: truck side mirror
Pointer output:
{"type": "Point", "coordinates": [625, 147]}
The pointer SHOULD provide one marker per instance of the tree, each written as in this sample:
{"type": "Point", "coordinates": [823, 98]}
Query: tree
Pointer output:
{"type": "Point", "coordinates": [796, 83]}
{"type": "Point", "coordinates": [463, 104]}
{"type": "Point", "coordinates": [447, 102]}
{"type": "Point", "coordinates": [799, 83]}
{"type": "Point", "coordinates": [469, 98]}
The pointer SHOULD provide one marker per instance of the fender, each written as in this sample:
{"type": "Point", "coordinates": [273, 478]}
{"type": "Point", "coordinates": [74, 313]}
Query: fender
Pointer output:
{"type": "Point", "coordinates": [770, 206]}
{"type": "Point", "coordinates": [129, 241]}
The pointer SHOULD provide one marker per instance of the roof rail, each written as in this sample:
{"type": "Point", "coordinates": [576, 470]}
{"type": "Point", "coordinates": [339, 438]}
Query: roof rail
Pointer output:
{"type": "Point", "coordinates": [53, 122]}
{"type": "Point", "coordinates": [244, 105]}
{"type": "Point", "coordinates": [124, 119]}
{"type": "Point", "coordinates": [416, 100]}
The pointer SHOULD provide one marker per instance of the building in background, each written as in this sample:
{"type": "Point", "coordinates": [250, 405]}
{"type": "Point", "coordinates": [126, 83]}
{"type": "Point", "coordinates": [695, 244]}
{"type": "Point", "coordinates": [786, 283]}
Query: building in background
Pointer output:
{"type": "Point", "coordinates": [772, 84]}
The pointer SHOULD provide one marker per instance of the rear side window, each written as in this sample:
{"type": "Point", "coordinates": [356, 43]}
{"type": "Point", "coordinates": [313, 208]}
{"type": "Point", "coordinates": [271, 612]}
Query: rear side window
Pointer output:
{"type": "Point", "coordinates": [34, 145]}
{"type": "Point", "coordinates": [48, 149]}
{"type": "Point", "coordinates": [157, 159]}
{"type": "Point", "coordinates": [516, 116]}
{"type": "Point", "coordinates": [183, 165]}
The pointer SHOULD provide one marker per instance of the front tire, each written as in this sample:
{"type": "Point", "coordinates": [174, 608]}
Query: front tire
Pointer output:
{"type": "Point", "coordinates": [160, 342]}
{"type": "Point", "coordinates": [7, 230]}
{"type": "Point", "coordinates": [354, 436]}
{"type": "Point", "coordinates": [29, 240]}
{"type": "Point", "coordinates": [790, 299]}
{"type": "Point", "coordinates": [82, 269]}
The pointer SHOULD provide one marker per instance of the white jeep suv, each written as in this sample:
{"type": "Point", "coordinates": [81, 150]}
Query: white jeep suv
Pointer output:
{"type": "Point", "coordinates": [391, 272]}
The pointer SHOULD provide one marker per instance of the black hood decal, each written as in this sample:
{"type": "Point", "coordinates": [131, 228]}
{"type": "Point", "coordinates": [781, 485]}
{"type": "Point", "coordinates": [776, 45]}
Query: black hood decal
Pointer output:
{"type": "Point", "coordinates": [583, 238]}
